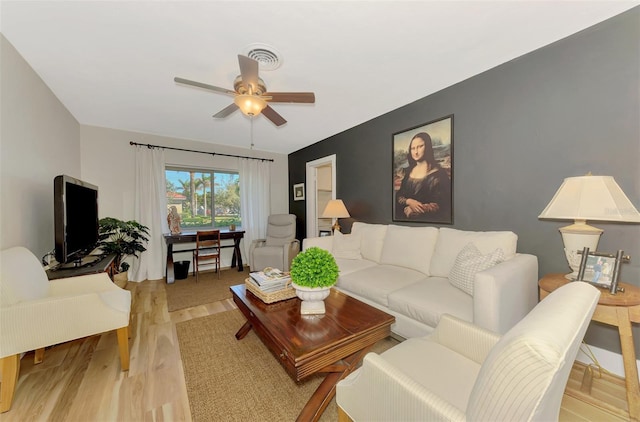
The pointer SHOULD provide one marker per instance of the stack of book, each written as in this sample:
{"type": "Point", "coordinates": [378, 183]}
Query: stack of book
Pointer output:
{"type": "Point", "coordinates": [270, 279]}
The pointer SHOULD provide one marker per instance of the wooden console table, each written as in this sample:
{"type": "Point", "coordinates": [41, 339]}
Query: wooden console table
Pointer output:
{"type": "Point", "coordinates": [619, 310]}
{"type": "Point", "coordinates": [190, 237]}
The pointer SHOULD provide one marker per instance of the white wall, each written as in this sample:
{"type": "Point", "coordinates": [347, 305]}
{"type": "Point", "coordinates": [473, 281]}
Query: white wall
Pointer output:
{"type": "Point", "coordinates": [39, 139]}
{"type": "Point", "coordinates": [108, 161]}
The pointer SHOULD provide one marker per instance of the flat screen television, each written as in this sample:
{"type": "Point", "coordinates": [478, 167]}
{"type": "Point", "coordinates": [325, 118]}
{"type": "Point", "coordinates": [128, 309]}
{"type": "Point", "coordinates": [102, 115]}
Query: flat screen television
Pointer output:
{"type": "Point", "coordinates": [75, 219]}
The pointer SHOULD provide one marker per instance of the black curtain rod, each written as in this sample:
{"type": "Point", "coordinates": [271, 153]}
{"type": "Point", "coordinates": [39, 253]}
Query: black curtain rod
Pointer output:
{"type": "Point", "coordinates": [199, 152]}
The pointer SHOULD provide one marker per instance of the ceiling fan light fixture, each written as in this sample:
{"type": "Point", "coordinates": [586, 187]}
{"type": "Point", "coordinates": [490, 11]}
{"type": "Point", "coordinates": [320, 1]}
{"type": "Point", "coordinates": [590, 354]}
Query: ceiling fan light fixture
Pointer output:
{"type": "Point", "coordinates": [250, 105]}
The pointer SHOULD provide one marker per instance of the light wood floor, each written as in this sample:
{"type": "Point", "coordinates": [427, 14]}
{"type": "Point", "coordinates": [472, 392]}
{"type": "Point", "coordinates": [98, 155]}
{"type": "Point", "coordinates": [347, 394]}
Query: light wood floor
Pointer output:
{"type": "Point", "coordinates": [81, 380]}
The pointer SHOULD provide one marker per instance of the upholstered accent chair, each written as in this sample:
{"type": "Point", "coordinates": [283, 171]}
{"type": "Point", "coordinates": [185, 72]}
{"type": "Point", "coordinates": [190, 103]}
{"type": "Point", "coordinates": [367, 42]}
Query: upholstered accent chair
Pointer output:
{"type": "Point", "coordinates": [280, 246]}
{"type": "Point", "coordinates": [36, 312]}
{"type": "Point", "coordinates": [462, 372]}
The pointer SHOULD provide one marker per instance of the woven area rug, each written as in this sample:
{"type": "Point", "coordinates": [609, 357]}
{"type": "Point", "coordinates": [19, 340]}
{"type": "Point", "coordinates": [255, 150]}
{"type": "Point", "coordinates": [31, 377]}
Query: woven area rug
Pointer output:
{"type": "Point", "coordinates": [187, 293]}
{"type": "Point", "coordinates": [231, 380]}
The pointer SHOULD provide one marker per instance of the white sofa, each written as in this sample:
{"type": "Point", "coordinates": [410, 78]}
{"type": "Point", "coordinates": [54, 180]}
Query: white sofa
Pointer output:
{"type": "Point", "coordinates": [418, 274]}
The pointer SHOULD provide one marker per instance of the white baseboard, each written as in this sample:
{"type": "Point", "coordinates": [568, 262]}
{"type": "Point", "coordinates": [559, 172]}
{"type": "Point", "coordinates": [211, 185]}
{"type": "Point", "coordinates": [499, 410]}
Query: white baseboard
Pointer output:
{"type": "Point", "coordinates": [610, 361]}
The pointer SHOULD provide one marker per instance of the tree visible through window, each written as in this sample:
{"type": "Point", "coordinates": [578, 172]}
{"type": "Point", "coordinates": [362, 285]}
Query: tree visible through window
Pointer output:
{"type": "Point", "coordinates": [204, 198]}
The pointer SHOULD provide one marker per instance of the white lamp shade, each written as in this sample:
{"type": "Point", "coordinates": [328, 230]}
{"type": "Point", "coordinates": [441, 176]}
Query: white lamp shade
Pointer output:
{"type": "Point", "coordinates": [591, 198]}
{"type": "Point", "coordinates": [335, 209]}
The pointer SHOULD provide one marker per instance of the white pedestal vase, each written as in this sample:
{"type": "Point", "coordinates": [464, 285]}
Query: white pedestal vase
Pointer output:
{"type": "Point", "coordinates": [312, 298]}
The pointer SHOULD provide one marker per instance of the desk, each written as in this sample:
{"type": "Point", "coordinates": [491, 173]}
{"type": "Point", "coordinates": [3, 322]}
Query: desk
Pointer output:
{"type": "Point", "coordinates": [619, 310]}
{"type": "Point", "coordinates": [190, 237]}
{"type": "Point", "coordinates": [104, 264]}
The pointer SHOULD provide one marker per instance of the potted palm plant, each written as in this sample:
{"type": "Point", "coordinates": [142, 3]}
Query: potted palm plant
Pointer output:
{"type": "Point", "coordinates": [313, 272]}
{"type": "Point", "coordinates": [122, 238]}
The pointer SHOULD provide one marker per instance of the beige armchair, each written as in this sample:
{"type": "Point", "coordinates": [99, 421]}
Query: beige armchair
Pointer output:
{"type": "Point", "coordinates": [280, 246]}
{"type": "Point", "coordinates": [462, 372]}
{"type": "Point", "coordinates": [35, 313]}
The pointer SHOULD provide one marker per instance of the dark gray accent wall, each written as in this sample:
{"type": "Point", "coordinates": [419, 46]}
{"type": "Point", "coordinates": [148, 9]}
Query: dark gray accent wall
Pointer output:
{"type": "Point", "coordinates": [564, 110]}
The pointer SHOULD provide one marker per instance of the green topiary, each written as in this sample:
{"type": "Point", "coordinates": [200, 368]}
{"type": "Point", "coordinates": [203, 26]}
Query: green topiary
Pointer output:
{"type": "Point", "coordinates": [314, 267]}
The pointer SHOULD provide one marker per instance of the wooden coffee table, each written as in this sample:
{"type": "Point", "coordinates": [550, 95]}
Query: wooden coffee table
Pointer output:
{"type": "Point", "coordinates": [333, 343]}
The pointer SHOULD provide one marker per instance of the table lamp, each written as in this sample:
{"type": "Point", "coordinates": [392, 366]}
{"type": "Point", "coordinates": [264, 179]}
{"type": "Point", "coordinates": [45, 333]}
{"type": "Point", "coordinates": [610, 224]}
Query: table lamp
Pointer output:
{"type": "Point", "coordinates": [335, 209]}
{"type": "Point", "coordinates": [587, 198]}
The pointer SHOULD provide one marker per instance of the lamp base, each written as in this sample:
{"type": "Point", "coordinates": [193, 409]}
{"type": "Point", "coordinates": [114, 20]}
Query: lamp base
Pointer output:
{"type": "Point", "coordinates": [575, 238]}
{"type": "Point", "coordinates": [335, 226]}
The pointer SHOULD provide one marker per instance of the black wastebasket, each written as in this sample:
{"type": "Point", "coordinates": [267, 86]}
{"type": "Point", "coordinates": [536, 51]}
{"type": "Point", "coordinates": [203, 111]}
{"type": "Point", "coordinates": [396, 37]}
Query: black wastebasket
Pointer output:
{"type": "Point", "coordinates": [181, 269]}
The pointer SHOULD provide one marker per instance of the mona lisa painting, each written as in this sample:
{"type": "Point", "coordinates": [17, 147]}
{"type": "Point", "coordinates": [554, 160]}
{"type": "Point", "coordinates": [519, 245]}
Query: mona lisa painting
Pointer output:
{"type": "Point", "coordinates": [423, 173]}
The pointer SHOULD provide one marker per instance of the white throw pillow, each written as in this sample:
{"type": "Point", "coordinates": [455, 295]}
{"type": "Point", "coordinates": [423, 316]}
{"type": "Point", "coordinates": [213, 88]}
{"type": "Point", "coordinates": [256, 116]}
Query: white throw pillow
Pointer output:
{"type": "Point", "coordinates": [371, 239]}
{"type": "Point", "coordinates": [346, 246]}
{"type": "Point", "coordinates": [451, 241]}
{"type": "Point", "coordinates": [470, 261]}
{"type": "Point", "coordinates": [409, 247]}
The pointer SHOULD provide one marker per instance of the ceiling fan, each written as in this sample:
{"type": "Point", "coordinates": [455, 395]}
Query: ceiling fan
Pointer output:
{"type": "Point", "coordinates": [251, 95]}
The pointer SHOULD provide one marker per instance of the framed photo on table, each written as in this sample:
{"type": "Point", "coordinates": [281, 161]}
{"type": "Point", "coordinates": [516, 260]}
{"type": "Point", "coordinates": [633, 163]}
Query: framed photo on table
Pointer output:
{"type": "Point", "coordinates": [601, 269]}
{"type": "Point", "coordinates": [422, 173]}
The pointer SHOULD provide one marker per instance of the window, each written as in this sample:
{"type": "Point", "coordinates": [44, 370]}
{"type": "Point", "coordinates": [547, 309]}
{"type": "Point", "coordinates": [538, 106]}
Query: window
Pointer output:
{"type": "Point", "coordinates": [204, 198]}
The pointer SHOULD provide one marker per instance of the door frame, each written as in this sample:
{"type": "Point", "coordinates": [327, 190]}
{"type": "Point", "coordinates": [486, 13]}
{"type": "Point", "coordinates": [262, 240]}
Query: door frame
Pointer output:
{"type": "Point", "coordinates": [312, 190]}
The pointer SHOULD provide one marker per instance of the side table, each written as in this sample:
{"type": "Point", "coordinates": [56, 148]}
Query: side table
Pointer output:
{"type": "Point", "coordinates": [619, 310]}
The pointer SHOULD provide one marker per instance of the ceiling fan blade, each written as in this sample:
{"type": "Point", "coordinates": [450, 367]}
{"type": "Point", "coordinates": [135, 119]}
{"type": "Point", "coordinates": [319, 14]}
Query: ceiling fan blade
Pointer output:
{"type": "Point", "coordinates": [205, 86]}
{"type": "Point", "coordinates": [226, 111]}
{"type": "Point", "coordinates": [291, 97]}
{"type": "Point", "coordinates": [249, 72]}
{"type": "Point", "coordinates": [273, 115]}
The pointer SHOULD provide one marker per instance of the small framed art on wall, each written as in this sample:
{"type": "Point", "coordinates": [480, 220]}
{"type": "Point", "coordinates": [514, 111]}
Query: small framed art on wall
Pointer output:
{"type": "Point", "coordinates": [298, 192]}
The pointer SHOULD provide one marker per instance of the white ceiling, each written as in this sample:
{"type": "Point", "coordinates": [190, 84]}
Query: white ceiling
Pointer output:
{"type": "Point", "coordinates": [112, 63]}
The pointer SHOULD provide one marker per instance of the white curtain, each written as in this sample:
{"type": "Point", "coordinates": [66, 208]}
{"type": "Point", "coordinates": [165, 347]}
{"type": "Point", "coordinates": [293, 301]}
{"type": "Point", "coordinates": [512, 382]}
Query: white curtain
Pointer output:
{"type": "Point", "coordinates": [150, 210]}
{"type": "Point", "coordinates": [255, 205]}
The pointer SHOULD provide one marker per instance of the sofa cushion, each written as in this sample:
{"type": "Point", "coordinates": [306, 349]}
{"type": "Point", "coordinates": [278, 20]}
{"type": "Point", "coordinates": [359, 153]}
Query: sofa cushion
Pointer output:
{"type": "Point", "coordinates": [371, 239]}
{"type": "Point", "coordinates": [347, 266]}
{"type": "Point", "coordinates": [470, 261]}
{"type": "Point", "coordinates": [428, 299]}
{"type": "Point", "coordinates": [448, 374]}
{"type": "Point", "coordinates": [409, 247]}
{"type": "Point", "coordinates": [346, 246]}
{"type": "Point", "coordinates": [377, 282]}
{"type": "Point", "coordinates": [451, 241]}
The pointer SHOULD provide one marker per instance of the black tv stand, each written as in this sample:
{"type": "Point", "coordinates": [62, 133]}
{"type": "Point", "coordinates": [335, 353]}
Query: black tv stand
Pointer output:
{"type": "Point", "coordinates": [90, 264]}
{"type": "Point", "coordinates": [85, 261]}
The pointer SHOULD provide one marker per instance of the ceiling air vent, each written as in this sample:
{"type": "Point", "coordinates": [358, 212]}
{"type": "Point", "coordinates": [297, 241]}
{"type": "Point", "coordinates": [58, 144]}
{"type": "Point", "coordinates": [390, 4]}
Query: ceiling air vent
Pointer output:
{"type": "Point", "coordinates": [267, 56]}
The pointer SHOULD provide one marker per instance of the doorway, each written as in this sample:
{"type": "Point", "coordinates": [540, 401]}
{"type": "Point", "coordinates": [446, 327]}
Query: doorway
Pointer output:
{"type": "Point", "coordinates": [321, 182]}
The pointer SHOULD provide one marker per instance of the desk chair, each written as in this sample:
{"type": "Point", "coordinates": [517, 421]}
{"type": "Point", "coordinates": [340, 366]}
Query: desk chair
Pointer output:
{"type": "Point", "coordinates": [207, 250]}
